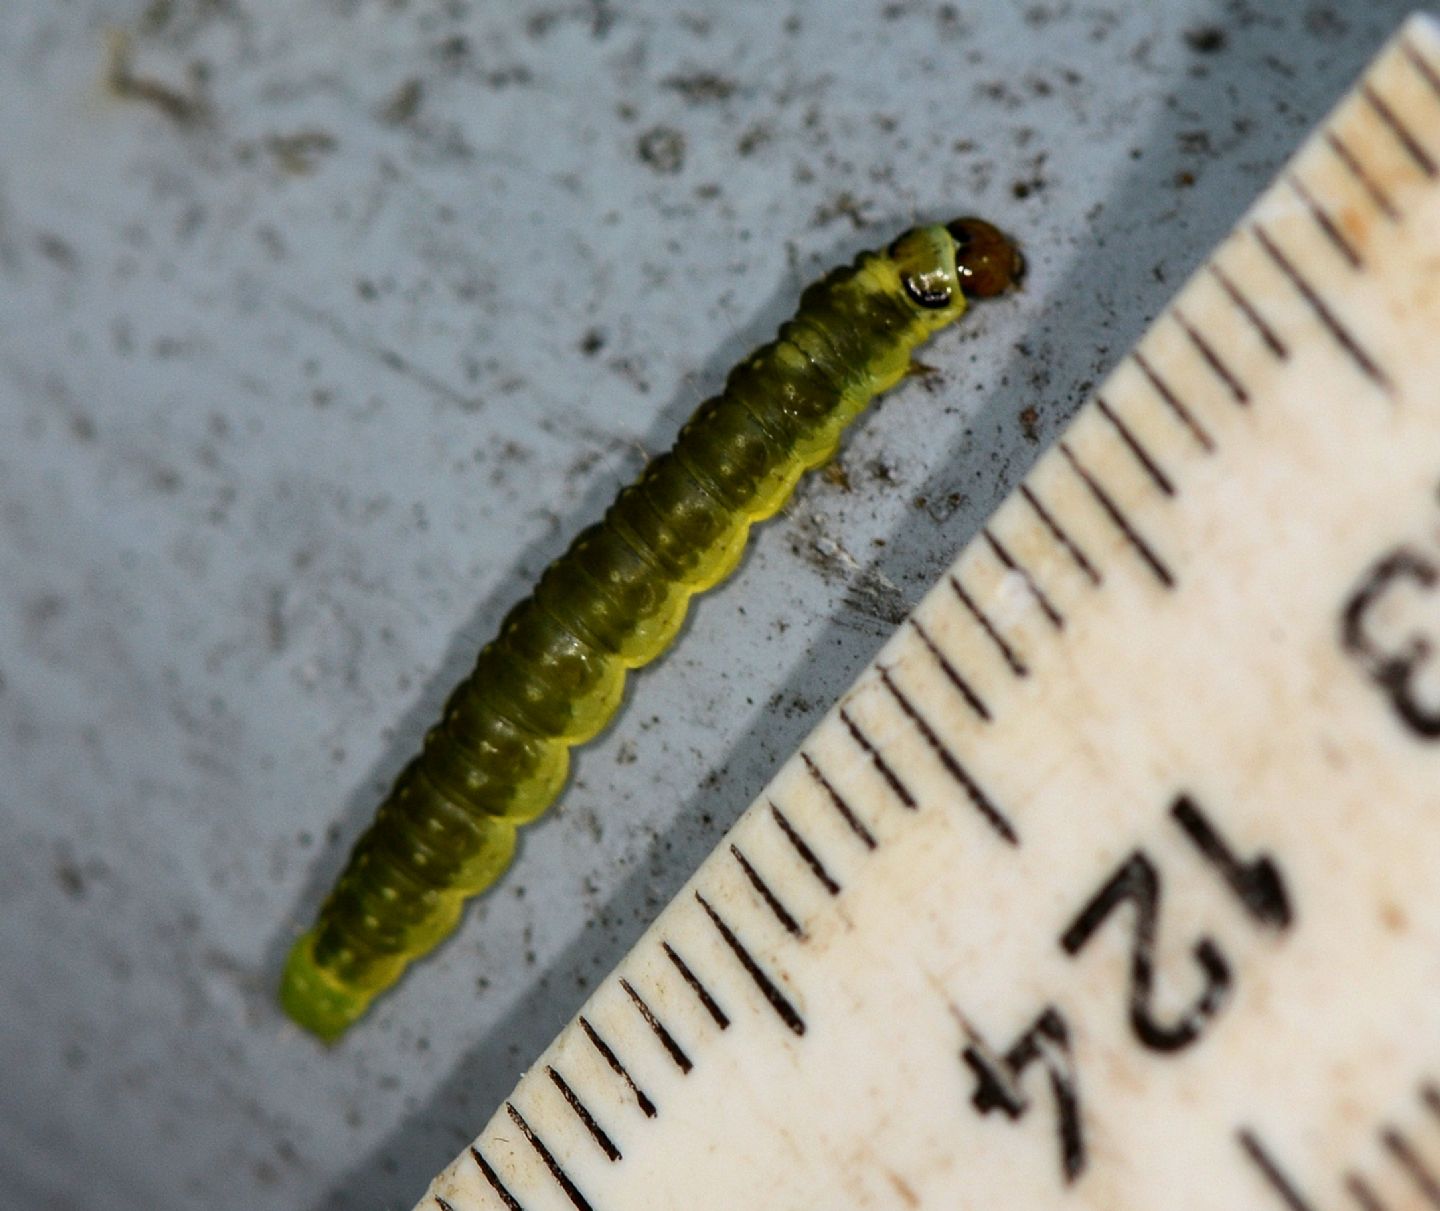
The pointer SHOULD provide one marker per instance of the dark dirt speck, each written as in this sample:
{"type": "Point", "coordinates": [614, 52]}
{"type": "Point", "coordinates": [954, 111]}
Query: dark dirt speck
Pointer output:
{"type": "Point", "coordinates": [662, 148]}
{"type": "Point", "coordinates": [1205, 39]}
{"type": "Point", "coordinates": [70, 879]}
{"type": "Point", "coordinates": [701, 87]}
{"type": "Point", "coordinates": [403, 104]}
{"type": "Point", "coordinates": [753, 138]}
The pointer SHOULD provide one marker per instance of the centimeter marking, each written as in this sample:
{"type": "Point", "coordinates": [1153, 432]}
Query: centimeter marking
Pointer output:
{"type": "Point", "coordinates": [896, 982]}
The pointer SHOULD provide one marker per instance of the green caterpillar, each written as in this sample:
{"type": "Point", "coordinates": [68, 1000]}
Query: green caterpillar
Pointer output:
{"type": "Point", "coordinates": [554, 675]}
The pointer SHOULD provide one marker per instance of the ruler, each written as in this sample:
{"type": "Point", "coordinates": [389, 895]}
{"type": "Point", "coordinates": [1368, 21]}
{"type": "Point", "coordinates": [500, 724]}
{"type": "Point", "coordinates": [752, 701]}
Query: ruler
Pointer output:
{"type": "Point", "coordinates": [1114, 881]}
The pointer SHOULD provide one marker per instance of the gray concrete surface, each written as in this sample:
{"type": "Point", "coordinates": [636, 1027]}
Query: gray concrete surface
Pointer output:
{"type": "Point", "coordinates": [324, 324]}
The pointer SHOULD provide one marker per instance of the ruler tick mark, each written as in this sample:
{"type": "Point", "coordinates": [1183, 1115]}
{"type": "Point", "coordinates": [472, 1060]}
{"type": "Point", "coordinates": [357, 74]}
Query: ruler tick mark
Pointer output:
{"type": "Point", "coordinates": [1427, 72]}
{"type": "Point", "coordinates": [1358, 1189]}
{"type": "Point", "coordinates": [992, 814]}
{"type": "Point", "coordinates": [1367, 364]}
{"type": "Point", "coordinates": [1272, 1173]}
{"type": "Point", "coordinates": [722, 1019]}
{"type": "Point", "coordinates": [1172, 401]}
{"type": "Point", "coordinates": [902, 792]}
{"type": "Point", "coordinates": [495, 1183]}
{"type": "Point", "coordinates": [667, 1040]}
{"type": "Point", "coordinates": [1212, 358]}
{"type": "Point", "coordinates": [1323, 221]}
{"type": "Point", "coordinates": [837, 801]}
{"type": "Point", "coordinates": [1142, 456]}
{"type": "Point", "coordinates": [807, 855]}
{"type": "Point", "coordinates": [1415, 1168]}
{"type": "Point", "coordinates": [1048, 521]}
{"type": "Point", "coordinates": [1016, 665]}
{"type": "Point", "coordinates": [952, 674]}
{"type": "Point", "coordinates": [1402, 133]}
{"type": "Point", "coordinates": [647, 1107]}
{"type": "Point", "coordinates": [772, 994]}
{"type": "Point", "coordinates": [597, 1133]}
{"type": "Point", "coordinates": [1047, 607]}
{"type": "Point", "coordinates": [1357, 170]}
{"type": "Point", "coordinates": [1112, 511]}
{"type": "Point", "coordinates": [544, 1153]}
{"type": "Point", "coordinates": [1247, 309]}
{"type": "Point", "coordinates": [772, 902]}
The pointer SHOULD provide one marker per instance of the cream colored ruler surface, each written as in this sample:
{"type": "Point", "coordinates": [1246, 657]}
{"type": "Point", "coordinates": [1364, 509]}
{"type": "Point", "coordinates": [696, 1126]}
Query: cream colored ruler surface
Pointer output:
{"type": "Point", "coordinates": [1114, 882]}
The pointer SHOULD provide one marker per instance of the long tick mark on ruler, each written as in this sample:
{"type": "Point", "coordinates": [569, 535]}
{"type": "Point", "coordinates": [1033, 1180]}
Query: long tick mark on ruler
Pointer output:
{"type": "Point", "coordinates": [1428, 73]}
{"type": "Point", "coordinates": [892, 780]}
{"type": "Point", "coordinates": [776, 999]}
{"type": "Point", "coordinates": [1047, 519]}
{"type": "Point", "coordinates": [712, 1007]}
{"type": "Point", "coordinates": [597, 1133]}
{"type": "Point", "coordinates": [1118, 518]}
{"type": "Point", "coordinates": [1212, 359]}
{"type": "Point", "coordinates": [1303, 286]}
{"type": "Point", "coordinates": [1359, 1189]}
{"type": "Point", "coordinates": [647, 1107]}
{"type": "Point", "coordinates": [1270, 1170]}
{"type": "Point", "coordinates": [1403, 135]}
{"type": "Point", "coordinates": [1132, 443]}
{"type": "Point", "coordinates": [772, 902]}
{"type": "Point", "coordinates": [1325, 223]}
{"type": "Point", "coordinates": [1011, 564]}
{"type": "Point", "coordinates": [1247, 309]}
{"type": "Point", "coordinates": [657, 1027]}
{"type": "Point", "coordinates": [807, 855]}
{"type": "Point", "coordinates": [1366, 180]}
{"type": "Point", "coordinates": [1172, 400]}
{"type": "Point", "coordinates": [556, 1170]}
{"type": "Point", "coordinates": [992, 815]}
{"type": "Point", "coordinates": [838, 802]}
{"type": "Point", "coordinates": [1412, 1163]}
{"type": "Point", "coordinates": [1016, 665]}
{"type": "Point", "coordinates": [952, 674]}
{"type": "Point", "coordinates": [496, 1184]}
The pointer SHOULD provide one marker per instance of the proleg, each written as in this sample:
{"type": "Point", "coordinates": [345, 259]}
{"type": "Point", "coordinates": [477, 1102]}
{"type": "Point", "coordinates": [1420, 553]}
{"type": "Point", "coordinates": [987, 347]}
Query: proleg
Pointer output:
{"type": "Point", "coordinates": [554, 675]}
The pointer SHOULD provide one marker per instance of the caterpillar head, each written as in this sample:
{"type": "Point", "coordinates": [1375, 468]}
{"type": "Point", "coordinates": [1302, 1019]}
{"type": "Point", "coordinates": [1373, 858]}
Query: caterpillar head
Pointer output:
{"type": "Point", "coordinates": [967, 258]}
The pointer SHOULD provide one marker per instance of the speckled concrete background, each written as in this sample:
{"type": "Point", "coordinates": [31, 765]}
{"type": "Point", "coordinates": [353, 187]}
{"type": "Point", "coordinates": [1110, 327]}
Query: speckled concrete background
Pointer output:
{"type": "Point", "coordinates": [323, 325]}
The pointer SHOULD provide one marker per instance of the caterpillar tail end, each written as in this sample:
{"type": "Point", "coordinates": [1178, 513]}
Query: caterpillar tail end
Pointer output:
{"type": "Point", "coordinates": [316, 1001]}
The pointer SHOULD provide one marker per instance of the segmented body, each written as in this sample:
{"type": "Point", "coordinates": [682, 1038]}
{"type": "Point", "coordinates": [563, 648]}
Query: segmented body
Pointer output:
{"type": "Point", "coordinates": [555, 673]}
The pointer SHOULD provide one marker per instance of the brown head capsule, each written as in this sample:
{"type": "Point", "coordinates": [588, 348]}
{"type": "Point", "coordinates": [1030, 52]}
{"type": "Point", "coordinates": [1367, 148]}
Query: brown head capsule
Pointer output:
{"type": "Point", "coordinates": [987, 260]}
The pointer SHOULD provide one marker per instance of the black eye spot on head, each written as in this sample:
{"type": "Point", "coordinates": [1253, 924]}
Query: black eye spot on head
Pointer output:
{"type": "Point", "coordinates": [923, 293]}
{"type": "Point", "coordinates": [921, 258]}
{"type": "Point", "coordinates": [987, 260]}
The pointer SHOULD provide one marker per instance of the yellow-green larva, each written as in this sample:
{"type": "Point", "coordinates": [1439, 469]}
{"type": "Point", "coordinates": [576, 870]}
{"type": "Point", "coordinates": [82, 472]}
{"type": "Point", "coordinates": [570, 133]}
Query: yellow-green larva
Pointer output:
{"type": "Point", "coordinates": [554, 675]}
